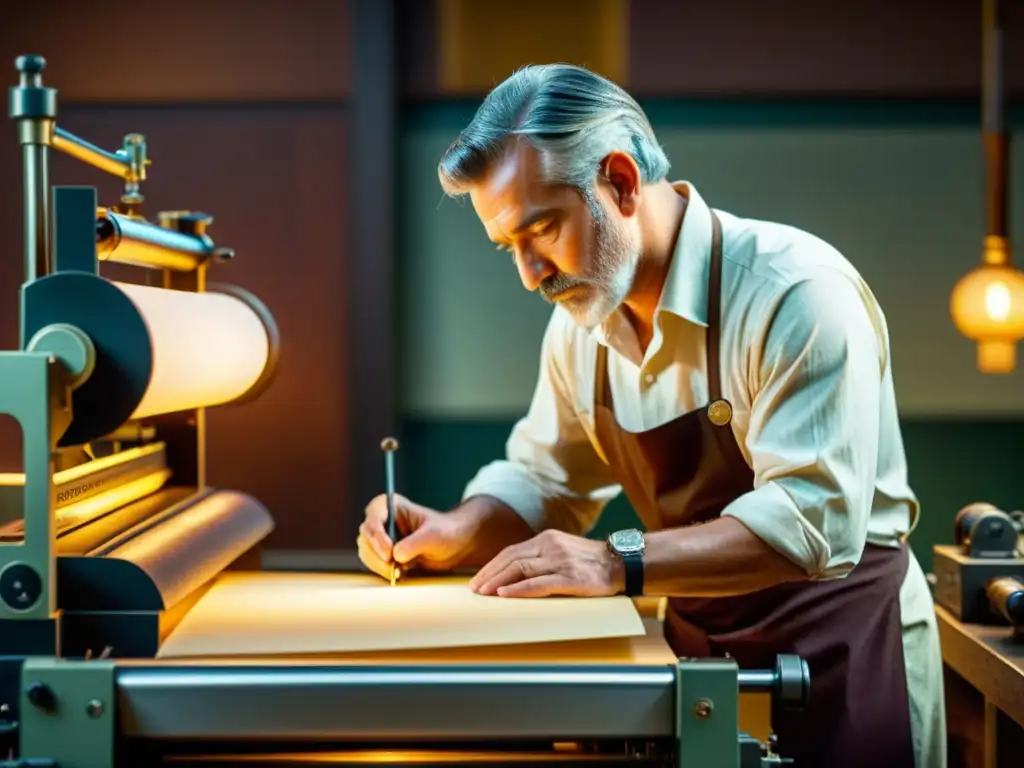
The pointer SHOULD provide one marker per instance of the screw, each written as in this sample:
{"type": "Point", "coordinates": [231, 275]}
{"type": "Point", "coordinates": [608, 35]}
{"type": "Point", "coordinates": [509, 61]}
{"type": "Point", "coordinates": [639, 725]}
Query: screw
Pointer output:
{"type": "Point", "coordinates": [94, 708]}
{"type": "Point", "coordinates": [702, 709]}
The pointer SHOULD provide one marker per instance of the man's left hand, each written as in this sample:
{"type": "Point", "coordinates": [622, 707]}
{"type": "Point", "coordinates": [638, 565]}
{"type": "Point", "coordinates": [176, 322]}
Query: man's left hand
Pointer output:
{"type": "Point", "coordinates": [552, 563]}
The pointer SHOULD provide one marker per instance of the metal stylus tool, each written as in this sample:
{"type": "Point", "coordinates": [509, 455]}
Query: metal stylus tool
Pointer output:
{"type": "Point", "coordinates": [389, 445]}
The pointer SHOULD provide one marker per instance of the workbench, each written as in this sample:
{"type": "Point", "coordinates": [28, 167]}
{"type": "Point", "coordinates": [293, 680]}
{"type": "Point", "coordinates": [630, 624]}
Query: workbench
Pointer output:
{"type": "Point", "coordinates": [984, 693]}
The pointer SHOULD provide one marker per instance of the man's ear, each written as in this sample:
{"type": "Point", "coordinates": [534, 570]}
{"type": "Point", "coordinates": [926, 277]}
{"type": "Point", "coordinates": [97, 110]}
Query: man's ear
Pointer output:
{"type": "Point", "coordinates": [620, 175]}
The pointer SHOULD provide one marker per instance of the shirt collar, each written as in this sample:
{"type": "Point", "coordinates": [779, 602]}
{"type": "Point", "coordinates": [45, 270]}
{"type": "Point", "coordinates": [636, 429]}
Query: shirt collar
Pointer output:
{"type": "Point", "coordinates": [685, 292]}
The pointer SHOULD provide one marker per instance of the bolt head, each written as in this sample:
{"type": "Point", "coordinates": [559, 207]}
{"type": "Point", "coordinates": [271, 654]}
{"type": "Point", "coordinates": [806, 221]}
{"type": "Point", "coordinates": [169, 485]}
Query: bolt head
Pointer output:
{"type": "Point", "coordinates": [702, 709]}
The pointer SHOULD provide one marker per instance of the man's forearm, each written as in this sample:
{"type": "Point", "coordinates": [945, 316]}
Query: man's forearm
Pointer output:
{"type": "Point", "coordinates": [716, 559]}
{"type": "Point", "coordinates": [490, 525]}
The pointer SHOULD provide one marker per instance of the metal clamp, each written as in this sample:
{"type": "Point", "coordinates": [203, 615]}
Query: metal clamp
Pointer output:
{"type": "Point", "coordinates": [707, 713]}
{"type": "Point", "coordinates": [67, 712]}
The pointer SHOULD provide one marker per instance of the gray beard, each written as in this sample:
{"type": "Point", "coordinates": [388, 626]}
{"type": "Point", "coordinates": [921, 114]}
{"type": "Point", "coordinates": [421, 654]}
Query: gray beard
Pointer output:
{"type": "Point", "coordinates": [601, 294]}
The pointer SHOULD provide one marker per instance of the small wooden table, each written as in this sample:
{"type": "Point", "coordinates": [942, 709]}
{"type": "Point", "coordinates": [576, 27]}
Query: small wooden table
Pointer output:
{"type": "Point", "coordinates": [984, 693]}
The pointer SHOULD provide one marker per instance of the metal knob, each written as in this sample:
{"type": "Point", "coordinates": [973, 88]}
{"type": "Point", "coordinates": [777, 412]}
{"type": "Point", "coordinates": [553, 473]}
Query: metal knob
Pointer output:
{"type": "Point", "coordinates": [30, 64]}
{"type": "Point", "coordinates": [42, 697]}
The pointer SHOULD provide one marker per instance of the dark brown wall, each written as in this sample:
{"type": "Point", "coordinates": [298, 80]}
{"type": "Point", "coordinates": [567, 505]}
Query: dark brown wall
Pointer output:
{"type": "Point", "coordinates": [898, 48]}
{"type": "Point", "coordinates": [875, 48]}
{"type": "Point", "coordinates": [243, 105]}
{"type": "Point", "coordinates": [186, 51]}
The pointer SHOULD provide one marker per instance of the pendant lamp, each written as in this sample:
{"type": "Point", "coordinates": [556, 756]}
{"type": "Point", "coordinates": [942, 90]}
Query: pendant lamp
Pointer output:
{"type": "Point", "coordinates": [987, 303]}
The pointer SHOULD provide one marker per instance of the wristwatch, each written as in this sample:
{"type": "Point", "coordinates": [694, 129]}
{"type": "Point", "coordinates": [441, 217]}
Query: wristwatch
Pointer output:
{"type": "Point", "coordinates": [629, 545]}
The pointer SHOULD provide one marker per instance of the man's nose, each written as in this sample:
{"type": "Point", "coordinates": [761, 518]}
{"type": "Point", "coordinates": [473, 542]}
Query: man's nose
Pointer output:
{"type": "Point", "coordinates": [533, 270]}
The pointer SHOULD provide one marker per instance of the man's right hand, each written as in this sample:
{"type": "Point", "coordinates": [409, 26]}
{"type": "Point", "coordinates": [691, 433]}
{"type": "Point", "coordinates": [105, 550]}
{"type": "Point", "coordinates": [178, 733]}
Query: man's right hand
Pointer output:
{"type": "Point", "coordinates": [436, 541]}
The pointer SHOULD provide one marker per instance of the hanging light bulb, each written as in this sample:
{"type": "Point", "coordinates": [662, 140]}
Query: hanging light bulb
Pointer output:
{"type": "Point", "coordinates": [988, 307]}
{"type": "Point", "coordinates": [987, 304]}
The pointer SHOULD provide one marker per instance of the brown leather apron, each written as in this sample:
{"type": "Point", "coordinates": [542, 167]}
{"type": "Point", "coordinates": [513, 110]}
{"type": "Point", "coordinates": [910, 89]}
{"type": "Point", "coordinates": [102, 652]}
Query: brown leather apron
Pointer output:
{"type": "Point", "coordinates": [848, 630]}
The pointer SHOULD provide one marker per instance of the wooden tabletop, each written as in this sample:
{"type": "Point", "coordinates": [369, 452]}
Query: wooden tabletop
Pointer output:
{"type": "Point", "coordinates": [989, 658]}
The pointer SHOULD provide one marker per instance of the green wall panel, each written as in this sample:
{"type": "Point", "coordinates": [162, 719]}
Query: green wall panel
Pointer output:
{"type": "Point", "coordinates": [896, 187]}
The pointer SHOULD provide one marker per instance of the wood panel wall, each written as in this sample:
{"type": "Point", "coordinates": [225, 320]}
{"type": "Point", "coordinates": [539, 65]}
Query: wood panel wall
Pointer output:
{"type": "Point", "coordinates": [244, 105]}
{"type": "Point", "coordinates": [802, 48]}
{"type": "Point", "coordinates": [788, 48]}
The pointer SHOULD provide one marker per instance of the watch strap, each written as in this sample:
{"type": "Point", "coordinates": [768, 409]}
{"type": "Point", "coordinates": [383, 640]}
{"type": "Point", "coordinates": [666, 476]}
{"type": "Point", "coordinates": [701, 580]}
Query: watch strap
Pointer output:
{"type": "Point", "coordinates": [633, 563]}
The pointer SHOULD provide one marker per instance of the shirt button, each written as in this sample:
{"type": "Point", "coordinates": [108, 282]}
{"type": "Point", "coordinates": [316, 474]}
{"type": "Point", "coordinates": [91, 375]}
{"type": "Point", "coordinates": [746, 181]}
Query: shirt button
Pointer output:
{"type": "Point", "coordinates": [649, 378]}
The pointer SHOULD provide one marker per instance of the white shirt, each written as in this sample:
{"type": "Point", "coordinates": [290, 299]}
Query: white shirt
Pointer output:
{"type": "Point", "coordinates": [804, 363]}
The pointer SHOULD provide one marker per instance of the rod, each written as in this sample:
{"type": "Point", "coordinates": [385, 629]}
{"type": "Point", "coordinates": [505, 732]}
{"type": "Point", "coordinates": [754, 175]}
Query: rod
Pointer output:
{"type": "Point", "coordinates": [992, 66]}
{"type": "Point", "coordinates": [134, 241]}
{"type": "Point", "coordinates": [34, 108]}
{"type": "Point", "coordinates": [36, 175]}
{"type": "Point", "coordinates": [389, 445]}
{"type": "Point", "coordinates": [448, 702]}
{"type": "Point", "coordinates": [996, 140]}
{"type": "Point", "coordinates": [82, 150]}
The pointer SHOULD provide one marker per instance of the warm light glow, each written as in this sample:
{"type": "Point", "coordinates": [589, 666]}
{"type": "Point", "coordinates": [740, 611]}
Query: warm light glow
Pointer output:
{"type": "Point", "coordinates": [119, 496]}
{"type": "Point", "coordinates": [126, 476]}
{"type": "Point", "coordinates": [998, 302]}
{"type": "Point", "coordinates": [408, 757]}
{"type": "Point", "coordinates": [85, 511]}
{"type": "Point", "coordinates": [988, 307]}
{"type": "Point", "coordinates": [468, 61]}
{"type": "Point", "coordinates": [208, 348]}
{"type": "Point", "coordinates": [77, 472]}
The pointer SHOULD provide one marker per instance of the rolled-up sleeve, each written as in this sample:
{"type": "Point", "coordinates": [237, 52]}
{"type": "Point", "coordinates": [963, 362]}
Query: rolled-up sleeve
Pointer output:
{"type": "Point", "coordinates": [813, 432]}
{"type": "Point", "coordinates": [552, 476]}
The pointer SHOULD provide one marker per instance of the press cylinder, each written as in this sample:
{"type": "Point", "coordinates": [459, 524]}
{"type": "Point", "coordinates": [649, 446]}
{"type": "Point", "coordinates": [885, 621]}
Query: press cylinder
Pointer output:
{"type": "Point", "coordinates": [136, 351]}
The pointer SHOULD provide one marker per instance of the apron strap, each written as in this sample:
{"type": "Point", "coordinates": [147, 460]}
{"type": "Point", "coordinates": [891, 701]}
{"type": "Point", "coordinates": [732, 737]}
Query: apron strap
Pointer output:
{"type": "Point", "coordinates": [714, 310]}
{"type": "Point", "coordinates": [601, 388]}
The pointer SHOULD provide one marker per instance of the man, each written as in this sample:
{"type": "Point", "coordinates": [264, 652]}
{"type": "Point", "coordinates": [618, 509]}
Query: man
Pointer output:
{"type": "Point", "coordinates": [733, 377]}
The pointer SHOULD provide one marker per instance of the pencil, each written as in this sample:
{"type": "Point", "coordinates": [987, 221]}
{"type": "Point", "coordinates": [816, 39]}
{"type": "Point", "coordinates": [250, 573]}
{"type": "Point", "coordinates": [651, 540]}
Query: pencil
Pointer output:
{"type": "Point", "coordinates": [389, 445]}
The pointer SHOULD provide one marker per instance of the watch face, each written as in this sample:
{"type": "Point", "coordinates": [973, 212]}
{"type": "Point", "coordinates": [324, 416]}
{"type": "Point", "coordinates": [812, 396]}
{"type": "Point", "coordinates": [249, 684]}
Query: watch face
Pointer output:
{"type": "Point", "coordinates": [627, 542]}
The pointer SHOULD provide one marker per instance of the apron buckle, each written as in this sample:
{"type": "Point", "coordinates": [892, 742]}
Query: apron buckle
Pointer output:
{"type": "Point", "coordinates": [720, 413]}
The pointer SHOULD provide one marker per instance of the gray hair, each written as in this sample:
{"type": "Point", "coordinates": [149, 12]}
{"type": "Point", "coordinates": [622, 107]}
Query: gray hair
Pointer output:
{"type": "Point", "coordinates": [572, 116]}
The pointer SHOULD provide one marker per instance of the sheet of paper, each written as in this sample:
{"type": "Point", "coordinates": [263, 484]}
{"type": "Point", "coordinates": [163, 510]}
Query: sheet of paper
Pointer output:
{"type": "Point", "coordinates": [266, 614]}
{"type": "Point", "coordinates": [646, 650]}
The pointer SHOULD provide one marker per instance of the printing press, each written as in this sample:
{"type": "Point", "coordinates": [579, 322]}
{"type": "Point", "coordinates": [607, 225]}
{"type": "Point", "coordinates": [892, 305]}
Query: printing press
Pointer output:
{"type": "Point", "coordinates": [111, 536]}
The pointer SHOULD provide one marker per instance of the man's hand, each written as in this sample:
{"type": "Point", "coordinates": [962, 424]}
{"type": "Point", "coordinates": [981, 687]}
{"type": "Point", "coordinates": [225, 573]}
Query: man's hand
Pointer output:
{"type": "Point", "coordinates": [436, 541]}
{"type": "Point", "coordinates": [552, 563]}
